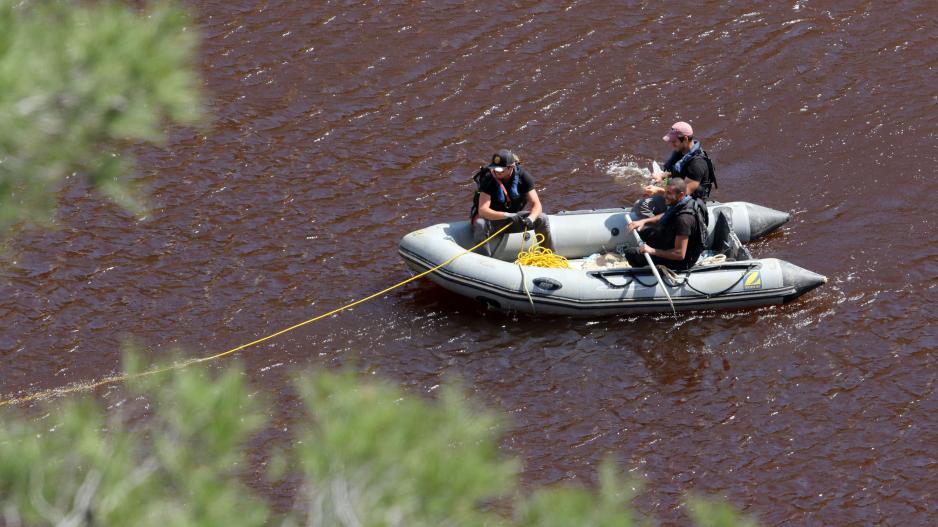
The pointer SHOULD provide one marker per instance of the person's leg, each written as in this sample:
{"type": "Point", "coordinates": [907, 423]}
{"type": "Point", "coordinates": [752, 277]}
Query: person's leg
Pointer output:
{"type": "Point", "coordinates": [670, 264]}
{"type": "Point", "coordinates": [648, 207]}
{"type": "Point", "coordinates": [652, 235]}
{"type": "Point", "coordinates": [635, 258]}
{"type": "Point", "coordinates": [641, 209]}
{"type": "Point", "coordinates": [481, 230]}
{"type": "Point", "coordinates": [542, 226]}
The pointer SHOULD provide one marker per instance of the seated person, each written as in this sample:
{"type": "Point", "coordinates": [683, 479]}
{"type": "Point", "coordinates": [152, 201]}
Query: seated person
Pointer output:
{"type": "Point", "coordinates": [688, 161]}
{"type": "Point", "coordinates": [504, 190]}
{"type": "Point", "coordinates": [675, 238]}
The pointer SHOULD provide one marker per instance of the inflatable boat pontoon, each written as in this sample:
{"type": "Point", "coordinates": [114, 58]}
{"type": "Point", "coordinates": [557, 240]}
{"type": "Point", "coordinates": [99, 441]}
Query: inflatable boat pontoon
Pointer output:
{"type": "Point", "coordinates": [497, 282]}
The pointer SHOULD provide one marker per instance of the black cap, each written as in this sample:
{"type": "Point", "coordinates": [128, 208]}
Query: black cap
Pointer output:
{"type": "Point", "coordinates": [502, 159]}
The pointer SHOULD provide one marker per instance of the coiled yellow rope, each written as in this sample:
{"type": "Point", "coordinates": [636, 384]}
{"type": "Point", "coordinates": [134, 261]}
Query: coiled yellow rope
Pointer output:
{"type": "Point", "coordinates": [539, 256]}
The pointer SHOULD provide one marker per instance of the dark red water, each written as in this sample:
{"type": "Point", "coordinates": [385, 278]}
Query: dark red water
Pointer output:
{"type": "Point", "coordinates": [340, 127]}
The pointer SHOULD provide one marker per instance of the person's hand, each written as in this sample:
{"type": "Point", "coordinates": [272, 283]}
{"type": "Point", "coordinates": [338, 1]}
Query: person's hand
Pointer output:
{"type": "Point", "coordinates": [528, 223]}
{"type": "Point", "coordinates": [658, 177]}
{"type": "Point", "coordinates": [514, 217]}
{"type": "Point", "coordinates": [636, 225]}
{"type": "Point", "coordinates": [645, 248]}
{"type": "Point", "coordinates": [651, 190]}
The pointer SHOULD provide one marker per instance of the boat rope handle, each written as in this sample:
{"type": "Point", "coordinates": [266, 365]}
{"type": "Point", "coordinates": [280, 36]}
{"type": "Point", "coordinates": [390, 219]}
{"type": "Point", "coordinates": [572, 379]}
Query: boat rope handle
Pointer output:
{"type": "Point", "coordinates": [89, 385]}
{"type": "Point", "coordinates": [677, 280]}
{"type": "Point", "coordinates": [601, 275]}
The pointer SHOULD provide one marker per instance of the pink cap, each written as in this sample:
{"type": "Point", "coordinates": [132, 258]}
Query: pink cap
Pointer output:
{"type": "Point", "coordinates": [678, 130]}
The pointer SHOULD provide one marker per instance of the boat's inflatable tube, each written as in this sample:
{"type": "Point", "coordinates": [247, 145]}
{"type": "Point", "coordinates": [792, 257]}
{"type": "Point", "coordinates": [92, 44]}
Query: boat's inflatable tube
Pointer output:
{"type": "Point", "coordinates": [504, 285]}
{"type": "Point", "coordinates": [579, 233]}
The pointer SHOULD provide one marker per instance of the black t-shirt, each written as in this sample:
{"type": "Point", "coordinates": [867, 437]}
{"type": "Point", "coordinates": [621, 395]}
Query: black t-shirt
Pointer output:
{"type": "Point", "coordinates": [678, 224]}
{"type": "Point", "coordinates": [695, 168]}
{"type": "Point", "coordinates": [521, 181]}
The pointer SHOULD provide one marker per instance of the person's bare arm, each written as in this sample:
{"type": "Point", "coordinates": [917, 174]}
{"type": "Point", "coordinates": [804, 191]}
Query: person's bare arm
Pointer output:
{"type": "Point", "coordinates": [486, 211]}
{"type": "Point", "coordinates": [640, 224]}
{"type": "Point", "coordinates": [676, 253]}
{"type": "Point", "coordinates": [535, 202]}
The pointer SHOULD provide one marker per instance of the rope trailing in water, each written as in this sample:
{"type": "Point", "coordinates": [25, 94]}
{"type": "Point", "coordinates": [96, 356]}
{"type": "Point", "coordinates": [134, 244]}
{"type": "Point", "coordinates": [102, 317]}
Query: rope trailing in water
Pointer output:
{"type": "Point", "coordinates": [539, 256]}
{"type": "Point", "coordinates": [80, 387]}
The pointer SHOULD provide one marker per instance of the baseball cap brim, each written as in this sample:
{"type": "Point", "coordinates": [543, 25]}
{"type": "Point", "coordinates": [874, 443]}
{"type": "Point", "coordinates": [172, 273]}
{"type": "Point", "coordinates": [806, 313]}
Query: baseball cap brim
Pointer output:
{"type": "Point", "coordinates": [678, 130]}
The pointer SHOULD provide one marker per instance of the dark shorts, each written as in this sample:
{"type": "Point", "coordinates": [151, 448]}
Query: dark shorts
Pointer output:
{"type": "Point", "coordinates": [653, 237]}
{"type": "Point", "coordinates": [483, 228]}
{"type": "Point", "coordinates": [648, 207]}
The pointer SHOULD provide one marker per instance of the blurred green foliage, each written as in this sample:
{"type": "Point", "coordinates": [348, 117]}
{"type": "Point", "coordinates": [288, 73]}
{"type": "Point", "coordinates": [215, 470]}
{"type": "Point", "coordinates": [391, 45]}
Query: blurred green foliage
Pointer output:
{"type": "Point", "coordinates": [176, 465]}
{"type": "Point", "coordinates": [80, 83]}
{"type": "Point", "coordinates": [560, 507]}
{"type": "Point", "coordinates": [174, 452]}
{"type": "Point", "coordinates": [378, 456]}
{"type": "Point", "coordinates": [714, 513]}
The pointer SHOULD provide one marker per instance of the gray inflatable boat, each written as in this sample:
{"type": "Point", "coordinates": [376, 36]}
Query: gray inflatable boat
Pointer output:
{"type": "Point", "coordinates": [587, 290]}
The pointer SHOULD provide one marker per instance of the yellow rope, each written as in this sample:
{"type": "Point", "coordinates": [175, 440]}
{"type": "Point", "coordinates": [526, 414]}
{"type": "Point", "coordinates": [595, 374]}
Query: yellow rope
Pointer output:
{"type": "Point", "coordinates": [539, 256]}
{"type": "Point", "coordinates": [80, 387]}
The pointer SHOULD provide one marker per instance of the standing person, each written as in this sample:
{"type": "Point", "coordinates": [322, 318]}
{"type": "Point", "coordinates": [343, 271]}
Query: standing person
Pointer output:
{"type": "Point", "coordinates": [689, 162]}
{"type": "Point", "coordinates": [676, 237]}
{"type": "Point", "coordinates": [504, 190]}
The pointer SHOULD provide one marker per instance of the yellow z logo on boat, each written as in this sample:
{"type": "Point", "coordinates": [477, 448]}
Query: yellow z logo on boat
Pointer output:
{"type": "Point", "coordinates": [753, 280]}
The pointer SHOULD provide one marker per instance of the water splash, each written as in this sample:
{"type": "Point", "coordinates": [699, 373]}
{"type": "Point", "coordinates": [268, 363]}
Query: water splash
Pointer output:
{"type": "Point", "coordinates": [625, 172]}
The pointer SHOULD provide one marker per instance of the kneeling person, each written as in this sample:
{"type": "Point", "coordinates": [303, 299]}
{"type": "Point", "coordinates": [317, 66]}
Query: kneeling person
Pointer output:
{"type": "Point", "coordinates": [505, 189]}
{"type": "Point", "coordinates": [689, 162]}
{"type": "Point", "coordinates": [676, 237]}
